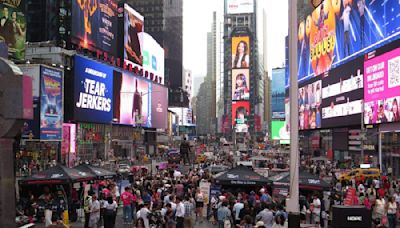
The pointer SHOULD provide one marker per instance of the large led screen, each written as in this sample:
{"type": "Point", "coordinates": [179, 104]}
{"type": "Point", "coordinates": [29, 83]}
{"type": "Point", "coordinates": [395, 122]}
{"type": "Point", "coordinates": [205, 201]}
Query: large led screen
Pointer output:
{"type": "Point", "coordinates": [94, 25]}
{"type": "Point", "coordinates": [382, 88]}
{"type": "Point", "coordinates": [240, 116]}
{"type": "Point", "coordinates": [93, 91]}
{"type": "Point", "coordinates": [280, 131]}
{"type": "Point", "coordinates": [184, 115]}
{"type": "Point", "coordinates": [13, 27]}
{"type": "Point", "coordinates": [159, 106]}
{"type": "Point", "coordinates": [132, 100]}
{"type": "Point", "coordinates": [339, 31]}
{"type": "Point", "coordinates": [133, 38]}
{"type": "Point", "coordinates": [153, 56]}
{"type": "Point", "coordinates": [342, 95]}
{"type": "Point", "coordinates": [310, 105]}
{"type": "Point", "coordinates": [278, 93]}
{"type": "Point", "coordinates": [240, 52]}
{"type": "Point", "coordinates": [240, 84]}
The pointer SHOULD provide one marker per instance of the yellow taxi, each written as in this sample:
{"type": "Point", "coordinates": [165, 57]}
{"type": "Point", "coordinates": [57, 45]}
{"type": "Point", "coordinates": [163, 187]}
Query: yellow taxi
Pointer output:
{"type": "Point", "coordinates": [356, 173]}
{"type": "Point", "coordinates": [201, 158]}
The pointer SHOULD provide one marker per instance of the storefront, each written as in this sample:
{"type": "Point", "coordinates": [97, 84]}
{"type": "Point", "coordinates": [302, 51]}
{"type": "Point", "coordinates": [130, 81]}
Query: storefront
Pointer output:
{"type": "Point", "coordinates": [390, 148]}
{"type": "Point", "coordinates": [91, 141]}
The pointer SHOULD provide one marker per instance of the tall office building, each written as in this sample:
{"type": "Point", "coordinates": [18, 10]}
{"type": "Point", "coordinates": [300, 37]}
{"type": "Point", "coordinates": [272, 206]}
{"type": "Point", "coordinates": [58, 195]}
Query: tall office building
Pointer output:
{"type": "Point", "coordinates": [243, 77]}
{"type": "Point", "coordinates": [164, 21]}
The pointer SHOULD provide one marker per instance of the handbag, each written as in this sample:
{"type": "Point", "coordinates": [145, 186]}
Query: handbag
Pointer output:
{"type": "Point", "coordinates": [384, 220]}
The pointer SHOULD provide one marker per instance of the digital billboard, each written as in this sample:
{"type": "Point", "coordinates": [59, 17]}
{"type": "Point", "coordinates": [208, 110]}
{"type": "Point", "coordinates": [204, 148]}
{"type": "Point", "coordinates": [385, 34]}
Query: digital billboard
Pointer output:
{"type": "Point", "coordinates": [280, 131]}
{"type": "Point", "coordinates": [133, 36]}
{"type": "Point", "coordinates": [51, 104]}
{"type": "Point", "coordinates": [339, 31]}
{"type": "Point", "coordinates": [159, 106]}
{"type": "Point", "coordinates": [239, 6]}
{"type": "Point", "coordinates": [310, 105]}
{"type": "Point", "coordinates": [153, 56]}
{"type": "Point", "coordinates": [13, 27]}
{"type": "Point", "coordinates": [382, 88]}
{"type": "Point", "coordinates": [240, 52]}
{"type": "Point", "coordinates": [93, 91]}
{"type": "Point", "coordinates": [240, 84]}
{"type": "Point", "coordinates": [95, 25]}
{"type": "Point", "coordinates": [278, 93]}
{"type": "Point", "coordinates": [240, 116]}
{"type": "Point", "coordinates": [342, 95]}
{"type": "Point", "coordinates": [132, 100]}
{"type": "Point", "coordinates": [185, 116]}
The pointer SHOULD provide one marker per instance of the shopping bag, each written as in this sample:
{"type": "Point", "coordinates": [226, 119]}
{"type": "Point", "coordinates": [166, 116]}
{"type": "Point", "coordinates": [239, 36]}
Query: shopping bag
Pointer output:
{"type": "Point", "coordinates": [384, 220]}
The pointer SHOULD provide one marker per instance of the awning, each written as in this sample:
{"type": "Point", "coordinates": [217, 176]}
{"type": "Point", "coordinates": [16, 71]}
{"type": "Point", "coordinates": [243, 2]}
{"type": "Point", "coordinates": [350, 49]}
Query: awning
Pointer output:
{"type": "Point", "coordinates": [241, 175]}
{"type": "Point", "coordinates": [100, 173]}
{"type": "Point", "coordinates": [58, 175]}
{"type": "Point", "coordinates": [307, 181]}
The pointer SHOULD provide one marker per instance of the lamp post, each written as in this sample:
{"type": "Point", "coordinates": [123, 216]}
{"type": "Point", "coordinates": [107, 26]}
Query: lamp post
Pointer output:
{"type": "Point", "coordinates": [293, 201]}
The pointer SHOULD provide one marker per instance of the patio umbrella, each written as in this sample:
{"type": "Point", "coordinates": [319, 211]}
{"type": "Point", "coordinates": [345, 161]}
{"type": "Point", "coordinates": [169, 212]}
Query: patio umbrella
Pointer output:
{"type": "Point", "coordinates": [58, 175]}
{"type": "Point", "coordinates": [100, 173]}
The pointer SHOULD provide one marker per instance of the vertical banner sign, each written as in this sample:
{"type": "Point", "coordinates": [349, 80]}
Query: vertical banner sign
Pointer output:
{"type": "Point", "coordinates": [51, 106]}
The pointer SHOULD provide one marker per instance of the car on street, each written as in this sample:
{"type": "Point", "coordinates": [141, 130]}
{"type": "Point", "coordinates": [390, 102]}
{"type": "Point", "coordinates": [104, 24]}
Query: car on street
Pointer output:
{"type": "Point", "coordinates": [123, 168]}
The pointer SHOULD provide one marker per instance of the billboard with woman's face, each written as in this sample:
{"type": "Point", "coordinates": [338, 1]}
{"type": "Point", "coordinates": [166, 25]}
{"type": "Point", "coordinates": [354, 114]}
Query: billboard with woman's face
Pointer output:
{"type": "Point", "coordinates": [240, 116]}
{"type": "Point", "coordinates": [240, 84]}
{"type": "Point", "coordinates": [240, 52]}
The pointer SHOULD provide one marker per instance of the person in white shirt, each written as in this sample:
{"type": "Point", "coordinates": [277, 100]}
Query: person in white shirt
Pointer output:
{"type": "Point", "coordinates": [236, 209]}
{"type": "Point", "coordinates": [143, 214]}
{"type": "Point", "coordinates": [110, 211]}
{"type": "Point", "coordinates": [391, 212]}
{"type": "Point", "coordinates": [317, 209]}
{"type": "Point", "coordinates": [346, 22]}
{"type": "Point", "coordinates": [94, 213]}
{"type": "Point", "coordinates": [180, 212]}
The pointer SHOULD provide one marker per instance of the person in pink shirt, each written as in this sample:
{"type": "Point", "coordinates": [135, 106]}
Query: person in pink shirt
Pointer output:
{"type": "Point", "coordinates": [127, 200]}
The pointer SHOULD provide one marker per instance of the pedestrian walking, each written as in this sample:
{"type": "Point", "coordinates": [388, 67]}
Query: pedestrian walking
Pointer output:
{"type": "Point", "coordinates": [127, 199]}
{"type": "Point", "coordinates": [94, 213]}
{"type": "Point", "coordinates": [110, 212]}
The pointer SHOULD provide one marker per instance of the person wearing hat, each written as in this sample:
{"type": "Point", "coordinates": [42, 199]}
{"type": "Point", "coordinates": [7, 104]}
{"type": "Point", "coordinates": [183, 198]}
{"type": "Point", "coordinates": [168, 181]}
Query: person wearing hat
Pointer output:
{"type": "Point", "coordinates": [259, 224]}
{"type": "Point", "coordinates": [87, 202]}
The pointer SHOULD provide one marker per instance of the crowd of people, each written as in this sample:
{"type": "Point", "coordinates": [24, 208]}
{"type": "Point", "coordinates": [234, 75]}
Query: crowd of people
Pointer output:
{"type": "Point", "coordinates": [172, 198]}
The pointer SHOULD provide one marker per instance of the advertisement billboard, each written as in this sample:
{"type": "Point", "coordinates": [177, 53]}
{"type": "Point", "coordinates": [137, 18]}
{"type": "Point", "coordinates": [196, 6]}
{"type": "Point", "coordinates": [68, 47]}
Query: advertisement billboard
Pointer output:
{"type": "Point", "coordinates": [13, 27]}
{"type": "Point", "coordinates": [310, 105]}
{"type": "Point", "coordinates": [342, 95]}
{"type": "Point", "coordinates": [280, 132]}
{"type": "Point", "coordinates": [153, 56]}
{"type": "Point", "coordinates": [159, 106]}
{"type": "Point", "coordinates": [278, 93]}
{"type": "Point", "coordinates": [382, 88]}
{"type": "Point", "coordinates": [94, 25]}
{"type": "Point", "coordinates": [240, 52]}
{"type": "Point", "coordinates": [93, 91]}
{"type": "Point", "coordinates": [240, 116]}
{"type": "Point", "coordinates": [240, 84]}
{"type": "Point", "coordinates": [239, 6]}
{"type": "Point", "coordinates": [133, 36]}
{"type": "Point", "coordinates": [51, 104]}
{"type": "Point", "coordinates": [339, 31]}
{"type": "Point", "coordinates": [185, 116]}
{"type": "Point", "coordinates": [132, 100]}
{"type": "Point", "coordinates": [33, 71]}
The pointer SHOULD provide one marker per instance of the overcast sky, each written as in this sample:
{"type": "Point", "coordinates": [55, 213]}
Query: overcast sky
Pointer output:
{"type": "Point", "coordinates": [197, 22]}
